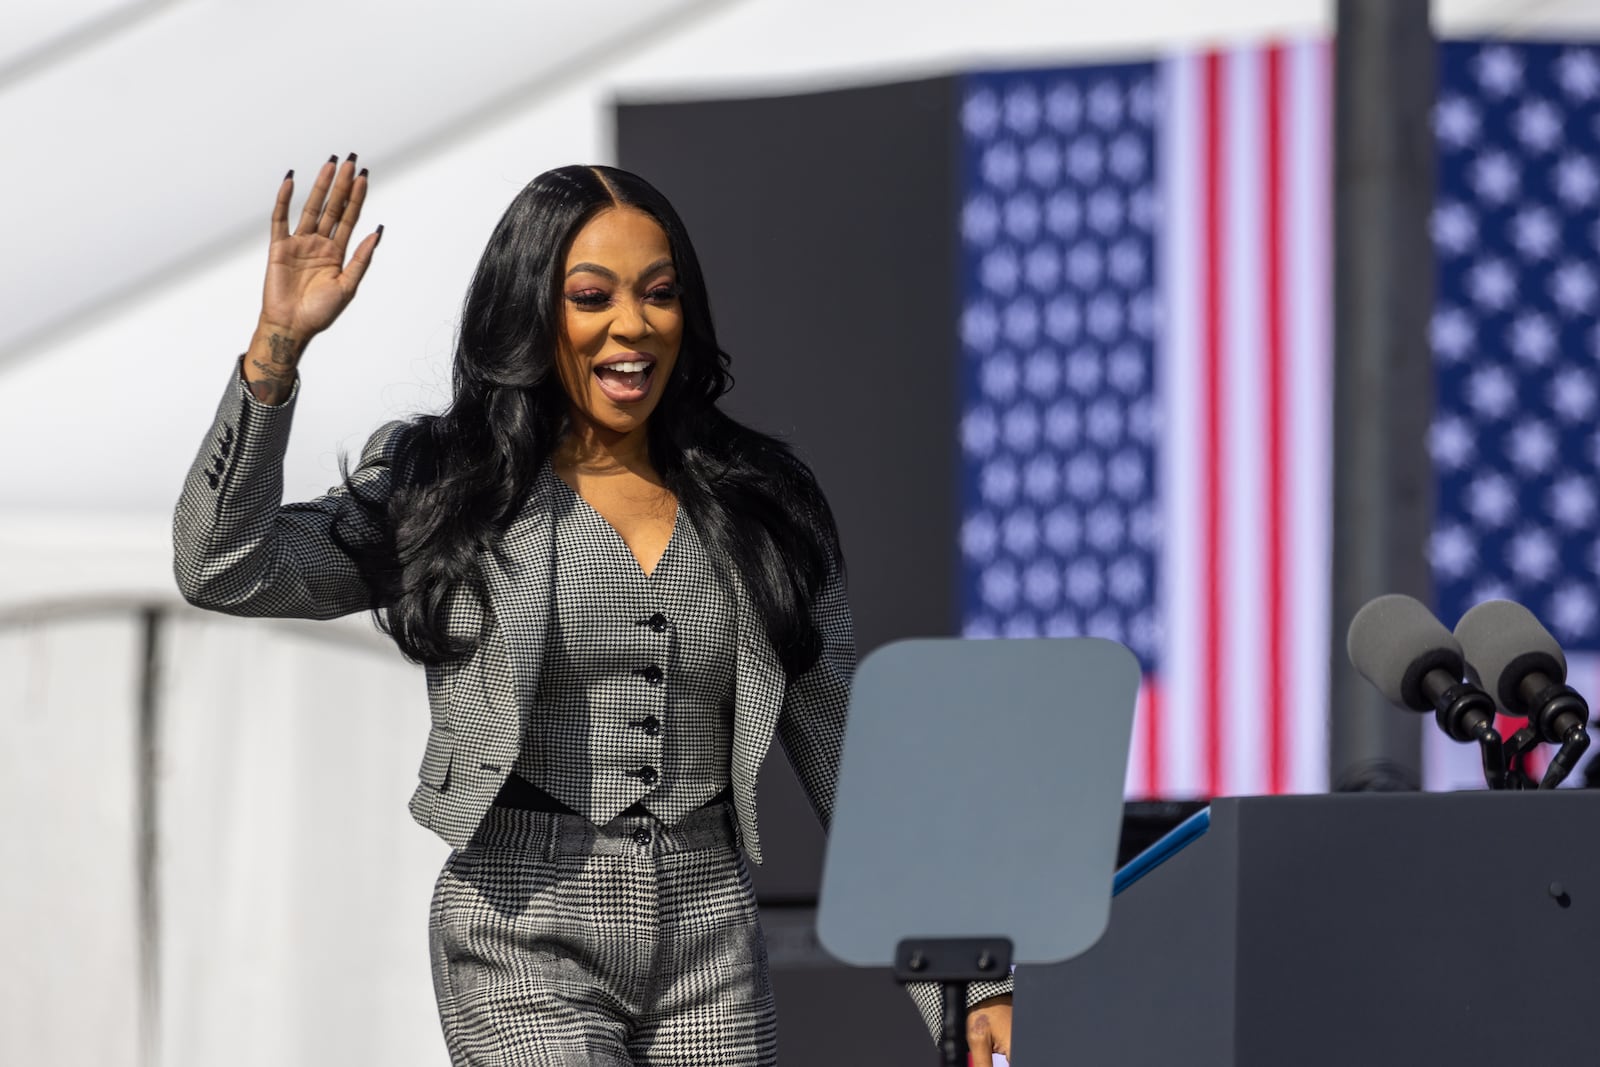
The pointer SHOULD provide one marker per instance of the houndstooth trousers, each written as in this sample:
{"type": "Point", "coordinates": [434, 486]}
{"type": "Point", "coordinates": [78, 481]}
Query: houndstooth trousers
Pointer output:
{"type": "Point", "coordinates": [556, 942]}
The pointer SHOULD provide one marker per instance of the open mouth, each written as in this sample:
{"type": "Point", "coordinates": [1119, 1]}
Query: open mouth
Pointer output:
{"type": "Point", "coordinates": [626, 380]}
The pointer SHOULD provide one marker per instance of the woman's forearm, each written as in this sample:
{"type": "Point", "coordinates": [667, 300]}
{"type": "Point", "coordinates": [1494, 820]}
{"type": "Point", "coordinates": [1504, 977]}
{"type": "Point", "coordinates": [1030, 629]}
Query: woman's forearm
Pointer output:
{"type": "Point", "coordinates": [270, 362]}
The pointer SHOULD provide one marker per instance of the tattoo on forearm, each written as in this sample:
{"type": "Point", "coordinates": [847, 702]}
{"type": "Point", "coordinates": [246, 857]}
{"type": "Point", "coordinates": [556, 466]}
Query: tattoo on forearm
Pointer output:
{"type": "Point", "coordinates": [274, 371]}
{"type": "Point", "coordinates": [285, 349]}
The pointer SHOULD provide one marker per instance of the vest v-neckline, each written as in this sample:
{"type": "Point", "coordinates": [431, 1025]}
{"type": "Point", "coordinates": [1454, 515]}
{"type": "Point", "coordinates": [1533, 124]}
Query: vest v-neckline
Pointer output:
{"type": "Point", "coordinates": [647, 575]}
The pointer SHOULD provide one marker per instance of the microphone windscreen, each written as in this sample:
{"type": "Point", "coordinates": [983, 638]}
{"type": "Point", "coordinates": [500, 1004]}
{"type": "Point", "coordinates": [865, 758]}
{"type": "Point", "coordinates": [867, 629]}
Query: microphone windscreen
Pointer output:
{"type": "Point", "coordinates": [1394, 641]}
{"type": "Point", "coordinates": [1504, 642]}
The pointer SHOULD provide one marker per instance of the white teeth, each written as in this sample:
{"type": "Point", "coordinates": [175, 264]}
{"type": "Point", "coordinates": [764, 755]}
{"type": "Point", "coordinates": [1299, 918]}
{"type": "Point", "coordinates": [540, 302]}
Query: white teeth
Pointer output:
{"type": "Point", "coordinates": [627, 368]}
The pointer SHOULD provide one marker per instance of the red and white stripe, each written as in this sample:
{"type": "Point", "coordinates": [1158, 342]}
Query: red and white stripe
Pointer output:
{"type": "Point", "coordinates": [1243, 367]}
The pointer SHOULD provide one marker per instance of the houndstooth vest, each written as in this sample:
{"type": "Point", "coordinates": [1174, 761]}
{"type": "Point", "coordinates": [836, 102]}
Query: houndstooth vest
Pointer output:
{"type": "Point", "coordinates": [635, 698]}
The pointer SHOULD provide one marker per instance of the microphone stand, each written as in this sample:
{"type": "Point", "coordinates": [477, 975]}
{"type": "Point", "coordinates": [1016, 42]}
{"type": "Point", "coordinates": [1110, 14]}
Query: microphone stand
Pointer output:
{"type": "Point", "coordinates": [1466, 713]}
{"type": "Point", "coordinates": [1573, 746]}
{"type": "Point", "coordinates": [1558, 711]}
{"type": "Point", "coordinates": [1518, 745]}
{"type": "Point", "coordinates": [1574, 743]}
{"type": "Point", "coordinates": [1495, 774]}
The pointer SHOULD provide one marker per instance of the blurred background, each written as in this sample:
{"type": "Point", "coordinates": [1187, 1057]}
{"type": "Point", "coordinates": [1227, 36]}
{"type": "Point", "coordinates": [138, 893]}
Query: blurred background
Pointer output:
{"type": "Point", "coordinates": [1045, 291]}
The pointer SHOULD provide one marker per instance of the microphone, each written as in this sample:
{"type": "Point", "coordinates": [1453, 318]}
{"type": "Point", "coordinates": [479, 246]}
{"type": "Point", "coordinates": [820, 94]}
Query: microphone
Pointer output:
{"type": "Point", "coordinates": [1409, 656]}
{"type": "Point", "coordinates": [1524, 667]}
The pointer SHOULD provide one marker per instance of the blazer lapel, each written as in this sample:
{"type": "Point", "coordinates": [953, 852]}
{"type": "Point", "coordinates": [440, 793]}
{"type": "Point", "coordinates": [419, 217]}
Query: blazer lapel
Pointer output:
{"type": "Point", "coordinates": [520, 575]}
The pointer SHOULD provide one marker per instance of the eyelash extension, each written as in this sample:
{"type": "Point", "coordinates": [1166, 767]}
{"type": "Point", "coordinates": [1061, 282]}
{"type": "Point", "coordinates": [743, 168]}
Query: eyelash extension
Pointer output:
{"type": "Point", "coordinates": [595, 301]}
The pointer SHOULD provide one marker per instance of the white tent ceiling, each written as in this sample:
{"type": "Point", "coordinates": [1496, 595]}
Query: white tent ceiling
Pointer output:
{"type": "Point", "coordinates": [151, 142]}
{"type": "Point", "coordinates": [33, 31]}
{"type": "Point", "coordinates": [144, 142]}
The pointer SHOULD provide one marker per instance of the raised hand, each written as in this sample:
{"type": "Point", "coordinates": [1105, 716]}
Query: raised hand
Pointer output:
{"type": "Point", "coordinates": [308, 282]}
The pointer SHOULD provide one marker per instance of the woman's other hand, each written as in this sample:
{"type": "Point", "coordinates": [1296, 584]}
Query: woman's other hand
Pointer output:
{"type": "Point", "coordinates": [308, 282]}
{"type": "Point", "coordinates": [989, 1029]}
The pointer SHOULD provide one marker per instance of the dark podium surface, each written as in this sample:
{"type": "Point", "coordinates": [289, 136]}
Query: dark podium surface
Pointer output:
{"type": "Point", "coordinates": [1372, 929]}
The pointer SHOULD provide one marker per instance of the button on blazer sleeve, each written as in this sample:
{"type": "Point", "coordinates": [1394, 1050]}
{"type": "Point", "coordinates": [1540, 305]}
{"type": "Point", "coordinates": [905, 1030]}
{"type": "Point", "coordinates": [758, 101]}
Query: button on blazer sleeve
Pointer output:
{"type": "Point", "coordinates": [238, 549]}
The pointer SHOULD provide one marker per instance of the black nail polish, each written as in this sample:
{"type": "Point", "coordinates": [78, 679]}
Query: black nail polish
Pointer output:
{"type": "Point", "coordinates": [363, 173]}
{"type": "Point", "coordinates": [333, 159]}
{"type": "Point", "coordinates": [290, 175]}
{"type": "Point", "coordinates": [351, 158]}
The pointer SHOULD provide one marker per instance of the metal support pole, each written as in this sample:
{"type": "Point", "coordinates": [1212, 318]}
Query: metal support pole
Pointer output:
{"type": "Point", "coordinates": [146, 798]}
{"type": "Point", "coordinates": [1383, 376]}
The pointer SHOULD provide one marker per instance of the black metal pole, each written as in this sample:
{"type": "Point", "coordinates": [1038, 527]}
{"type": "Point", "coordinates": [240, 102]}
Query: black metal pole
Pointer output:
{"type": "Point", "coordinates": [146, 798]}
{"type": "Point", "coordinates": [1383, 375]}
{"type": "Point", "coordinates": [953, 1024]}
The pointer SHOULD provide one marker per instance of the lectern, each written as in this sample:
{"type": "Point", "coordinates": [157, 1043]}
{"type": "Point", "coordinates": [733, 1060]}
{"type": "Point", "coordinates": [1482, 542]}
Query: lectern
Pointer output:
{"type": "Point", "coordinates": [1327, 931]}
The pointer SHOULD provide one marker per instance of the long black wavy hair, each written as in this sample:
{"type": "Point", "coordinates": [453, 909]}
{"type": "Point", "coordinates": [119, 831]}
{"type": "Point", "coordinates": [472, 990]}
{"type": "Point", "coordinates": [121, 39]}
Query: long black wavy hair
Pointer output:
{"type": "Point", "coordinates": [463, 475]}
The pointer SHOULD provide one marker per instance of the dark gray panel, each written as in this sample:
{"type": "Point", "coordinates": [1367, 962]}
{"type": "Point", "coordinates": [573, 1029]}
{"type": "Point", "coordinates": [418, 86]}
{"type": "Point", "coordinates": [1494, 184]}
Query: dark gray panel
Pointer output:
{"type": "Point", "coordinates": [1324, 931]}
{"type": "Point", "coordinates": [848, 1015]}
{"type": "Point", "coordinates": [1157, 989]}
{"type": "Point", "coordinates": [1383, 929]}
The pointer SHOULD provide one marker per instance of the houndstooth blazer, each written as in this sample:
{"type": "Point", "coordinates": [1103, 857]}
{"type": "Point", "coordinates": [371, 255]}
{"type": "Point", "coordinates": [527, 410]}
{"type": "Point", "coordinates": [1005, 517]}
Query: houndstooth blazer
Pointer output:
{"type": "Point", "coordinates": [239, 550]}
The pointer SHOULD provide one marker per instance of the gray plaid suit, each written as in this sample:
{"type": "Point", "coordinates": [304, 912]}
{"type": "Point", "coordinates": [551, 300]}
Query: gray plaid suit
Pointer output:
{"type": "Point", "coordinates": [239, 550]}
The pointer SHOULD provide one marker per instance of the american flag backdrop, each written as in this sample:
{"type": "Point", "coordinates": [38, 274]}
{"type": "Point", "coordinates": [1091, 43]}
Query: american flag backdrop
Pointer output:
{"type": "Point", "coordinates": [1147, 393]}
{"type": "Point", "coordinates": [1147, 389]}
{"type": "Point", "coordinates": [1516, 433]}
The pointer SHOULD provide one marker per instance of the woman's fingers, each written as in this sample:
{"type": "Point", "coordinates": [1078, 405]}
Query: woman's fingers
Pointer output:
{"type": "Point", "coordinates": [338, 197]}
{"type": "Point", "coordinates": [332, 207]}
{"type": "Point", "coordinates": [980, 1040]}
{"type": "Point", "coordinates": [316, 198]}
{"type": "Point", "coordinates": [280, 208]}
{"type": "Point", "coordinates": [356, 269]}
{"type": "Point", "coordinates": [352, 212]}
